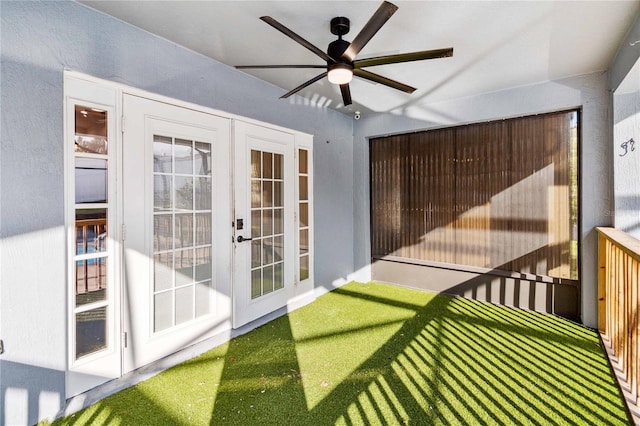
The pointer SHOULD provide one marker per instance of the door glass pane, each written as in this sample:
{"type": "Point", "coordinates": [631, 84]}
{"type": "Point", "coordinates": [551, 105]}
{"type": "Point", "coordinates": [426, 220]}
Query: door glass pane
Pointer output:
{"type": "Point", "coordinates": [267, 251]}
{"type": "Point", "coordinates": [303, 167]}
{"type": "Point", "coordinates": [90, 130]}
{"type": "Point", "coordinates": [267, 280]}
{"type": "Point", "coordinates": [183, 267]}
{"type": "Point", "coordinates": [304, 267]}
{"type": "Point", "coordinates": [91, 180]}
{"type": "Point", "coordinates": [204, 264]}
{"type": "Point", "coordinates": [256, 194]}
{"type": "Point", "coordinates": [256, 164]}
{"type": "Point", "coordinates": [267, 191]}
{"type": "Point", "coordinates": [91, 331]}
{"type": "Point", "coordinates": [163, 311]}
{"type": "Point", "coordinates": [91, 231]}
{"type": "Point", "coordinates": [203, 229]}
{"type": "Point", "coordinates": [256, 224]}
{"type": "Point", "coordinates": [183, 230]}
{"type": "Point", "coordinates": [183, 251]}
{"type": "Point", "coordinates": [304, 241]}
{"type": "Point", "coordinates": [184, 304]}
{"type": "Point", "coordinates": [277, 194]}
{"type": "Point", "coordinates": [184, 192]}
{"type": "Point", "coordinates": [204, 296]}
{"type": "Point", "coordinates": [162, 192]}
{"type": "Point", "coordinates": [183, 153]}
{"type": "Point", "coordinates": [304, 195]}
{"type": "Point", "coordinates": [267, 222]}
{"type": "Point", "coordinates": [163, 271]}
{"type": "Point", "coordinates": [202, 159]}
{"type": "Point", "coordinates": [91, 144]}
{"type": "Point", "coordinates": [304, 214]}
{"type": "Point", "coordinates": [278, 248]}
{"type": "Point", "coordinates": [267, 165]}
{"type": "Point", "coordinates": [256, 253]}
{"type": "Point", "coordinates": [162, 232]}
{"type": "Point", "coordinates": [162, 154]}
{"type": "Point", "coordinates": [203, 193]}
{"type": "Point", "coordinates": [278, 276]}
{"type": "Point", "coordinates": [91, 281]}
{"type": "Point", "coordinates": [278, 165]}
{"type": "Point", "coordinates": [278, 221]}
{"type": "Point", "coordinates": [256, 283]}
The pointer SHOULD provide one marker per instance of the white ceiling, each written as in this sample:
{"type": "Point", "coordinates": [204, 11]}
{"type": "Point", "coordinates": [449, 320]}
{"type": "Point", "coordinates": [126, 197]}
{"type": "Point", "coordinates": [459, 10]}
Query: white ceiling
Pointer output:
{"type": "Point", "coordinates": [497, 44]}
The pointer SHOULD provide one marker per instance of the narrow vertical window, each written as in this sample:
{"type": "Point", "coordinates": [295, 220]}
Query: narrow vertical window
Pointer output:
{"type": "Point", "coordinates": [92, 207]}
{"type": "Point", "coordinates": [303, 215]}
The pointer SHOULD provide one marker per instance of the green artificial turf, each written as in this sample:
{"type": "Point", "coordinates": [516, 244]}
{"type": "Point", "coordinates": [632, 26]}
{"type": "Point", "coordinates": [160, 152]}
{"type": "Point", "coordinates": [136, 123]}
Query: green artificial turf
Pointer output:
{"type": "Point", "coordinates": [380, 354]}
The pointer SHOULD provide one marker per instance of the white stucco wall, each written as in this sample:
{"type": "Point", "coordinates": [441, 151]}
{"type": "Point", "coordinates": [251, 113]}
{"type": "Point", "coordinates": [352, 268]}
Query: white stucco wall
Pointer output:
{"type": "Point", "coordinates": [626, 158]}
{"type": "Point", "coordinates": [588, 92]}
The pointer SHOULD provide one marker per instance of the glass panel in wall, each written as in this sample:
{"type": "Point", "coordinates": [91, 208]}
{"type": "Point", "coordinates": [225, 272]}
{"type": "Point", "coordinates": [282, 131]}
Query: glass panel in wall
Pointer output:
{"type": "Point", "coordinates": [303, 214]}
{"type": "Point", "coordinates": [91, 256]}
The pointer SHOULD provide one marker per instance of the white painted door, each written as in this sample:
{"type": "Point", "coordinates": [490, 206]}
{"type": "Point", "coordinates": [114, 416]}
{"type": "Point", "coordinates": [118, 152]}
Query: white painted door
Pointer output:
{"type": "Point", "coordinates": [177, 218]}
{"type": "Point", "coordinates": [264, 183]}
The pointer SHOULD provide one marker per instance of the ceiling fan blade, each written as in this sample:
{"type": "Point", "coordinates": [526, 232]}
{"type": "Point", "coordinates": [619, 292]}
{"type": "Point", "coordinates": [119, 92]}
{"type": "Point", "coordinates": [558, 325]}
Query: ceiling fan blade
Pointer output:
{"type": "Point", "coordinates": [376, 78]}
{"type": "Point", "coordinates": [303, 85]}
{"type": "Point", "coordinates": [379, 18]}
{"type": "Point", "coordinates": [346, 94]}
{"type": "Point", "coordinates": [404, 57]}
{"type": "Point", "coordinates": [286, 31]}
{"type": "Point", "coordinates": [246, 67]}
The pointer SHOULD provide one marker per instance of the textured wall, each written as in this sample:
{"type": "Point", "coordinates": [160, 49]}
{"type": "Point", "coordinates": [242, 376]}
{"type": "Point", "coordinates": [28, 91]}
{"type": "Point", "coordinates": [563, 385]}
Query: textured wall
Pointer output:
{"type": "Point", "coordinates": [626, 160]}
{"type": "Point", "coordinates": [38, 41]}
{"type": "Point", "coordinates": [587, 91]}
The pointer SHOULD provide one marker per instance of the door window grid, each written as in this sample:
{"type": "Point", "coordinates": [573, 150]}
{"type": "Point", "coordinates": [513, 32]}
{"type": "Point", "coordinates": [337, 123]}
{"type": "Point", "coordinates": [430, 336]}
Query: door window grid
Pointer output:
{"type": "Point", "coordinates": [91, 205]}
{"type": "Point", "coordinates": [267, 222]}
{"type": "Point", "coordinates": [182, 244]}
{"type": "Point", "coordinates": [303, 214]}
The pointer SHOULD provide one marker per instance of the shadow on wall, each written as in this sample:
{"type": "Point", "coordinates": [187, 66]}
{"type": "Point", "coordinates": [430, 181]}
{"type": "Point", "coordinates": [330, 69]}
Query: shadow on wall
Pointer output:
{"type": "Point", "coordinates": [25, 394]}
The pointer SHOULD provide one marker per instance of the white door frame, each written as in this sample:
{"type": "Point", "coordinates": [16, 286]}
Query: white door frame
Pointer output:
{"type": "Point", "coordinates": [146, 118]}
{"type": "Point", "coordinates": [247, 138]}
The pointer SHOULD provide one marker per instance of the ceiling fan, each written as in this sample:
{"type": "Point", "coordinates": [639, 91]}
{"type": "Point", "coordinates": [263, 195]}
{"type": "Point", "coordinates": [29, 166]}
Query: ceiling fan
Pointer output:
{"type": "Point", "coordinates": [342, 64]}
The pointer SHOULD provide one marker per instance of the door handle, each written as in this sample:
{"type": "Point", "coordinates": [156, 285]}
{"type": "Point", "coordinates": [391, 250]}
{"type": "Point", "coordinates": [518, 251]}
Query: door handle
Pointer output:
{"type": "Point", "coordinates": [241, 239]}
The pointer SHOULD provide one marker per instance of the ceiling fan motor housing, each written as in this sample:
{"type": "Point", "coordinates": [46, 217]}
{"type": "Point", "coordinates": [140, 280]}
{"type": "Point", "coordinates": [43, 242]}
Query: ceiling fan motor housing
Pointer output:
{"type": "Point", "coordinates": [336, 49]}
{"type": "Point", "coordinates": [340, 26]}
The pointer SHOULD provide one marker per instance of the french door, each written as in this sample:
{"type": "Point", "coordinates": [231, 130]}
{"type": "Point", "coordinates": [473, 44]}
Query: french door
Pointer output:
{"type": "Point", "coordinates": [182, 224]}
{"type": "Point", "coordinates": [264, 221]}
{"type": "Point", "coordinates": [177, 219]}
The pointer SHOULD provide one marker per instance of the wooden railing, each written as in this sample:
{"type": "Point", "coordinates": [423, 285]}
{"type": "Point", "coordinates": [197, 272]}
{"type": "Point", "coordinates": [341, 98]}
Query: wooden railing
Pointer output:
{"type": "Point", "coordinates": [619, 303]}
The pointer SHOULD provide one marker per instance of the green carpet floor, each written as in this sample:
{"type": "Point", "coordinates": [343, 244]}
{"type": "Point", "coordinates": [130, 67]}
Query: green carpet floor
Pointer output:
{"type": "Point", "coordinates": [380, 354]}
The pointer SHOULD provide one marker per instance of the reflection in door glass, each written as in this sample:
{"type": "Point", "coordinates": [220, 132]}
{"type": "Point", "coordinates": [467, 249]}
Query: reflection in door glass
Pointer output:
{"type": "Point", "coordinates": [183, 215]}
{"type": "Point", "coordinates": [267, 206]}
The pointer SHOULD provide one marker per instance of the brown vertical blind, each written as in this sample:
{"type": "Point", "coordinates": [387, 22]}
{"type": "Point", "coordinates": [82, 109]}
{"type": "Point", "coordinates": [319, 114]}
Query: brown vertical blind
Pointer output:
{"type": "Point", "coordinates": [500, 195]}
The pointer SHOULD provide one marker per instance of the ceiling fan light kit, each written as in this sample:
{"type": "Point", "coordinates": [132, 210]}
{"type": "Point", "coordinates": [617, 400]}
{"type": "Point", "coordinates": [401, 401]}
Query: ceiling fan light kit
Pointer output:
{"type": "Point", "coordinates": [341, 63]}
{"type": "Point", "coordinates": [340, 73]}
